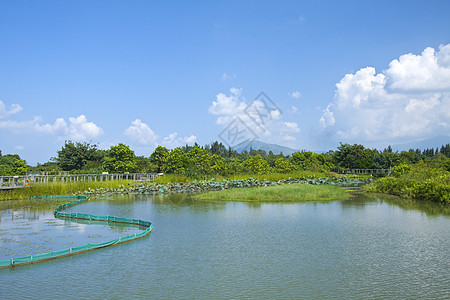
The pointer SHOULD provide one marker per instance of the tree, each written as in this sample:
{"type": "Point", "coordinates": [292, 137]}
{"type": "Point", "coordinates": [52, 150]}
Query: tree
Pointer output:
{"type": "Point", "coordinates": [77, 155]}
{"type": "Point", "coordinates": [218, 165]}
{"type": "Point", "coordinates": [256, 165]}
{"type": "Point", "coordinates": [143, 165]}
{"type": "Point", "coordinates": [159, 157]}
{"type": "Point", "coordinates": [283, 166]}
{"type": "Point", "coordinates": [120, 159]}
{"type": "Point", "coordinates": [12, 164]}
{"type": "Point", "coordinates": [353, 156]}
{"type": "Point", "coordinates": [198, 161]}
{"type": "Point", "coordinates": [176, 162]}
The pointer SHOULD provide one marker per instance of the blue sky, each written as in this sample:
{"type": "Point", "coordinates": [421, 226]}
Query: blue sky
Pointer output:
{"type": "Point", "coordinates": [150, 73]}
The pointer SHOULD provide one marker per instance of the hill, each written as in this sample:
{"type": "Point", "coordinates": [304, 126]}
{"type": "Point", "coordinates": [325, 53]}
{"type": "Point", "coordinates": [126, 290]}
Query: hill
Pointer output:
{"type": "Point", "coordinates": [258, 145]}
{"type": "Point", "coordinates": [434, 142]}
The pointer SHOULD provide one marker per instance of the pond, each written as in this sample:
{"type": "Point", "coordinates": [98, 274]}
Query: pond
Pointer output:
{"type": "Point", "coordinates": [364, 247]}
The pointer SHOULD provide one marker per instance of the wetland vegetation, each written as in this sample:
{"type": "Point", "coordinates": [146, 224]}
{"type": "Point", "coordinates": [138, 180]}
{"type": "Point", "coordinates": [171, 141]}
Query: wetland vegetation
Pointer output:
{"type": "Point", "coordinates": [418, 174]}
{"type": "Point", "coordinates": [284, 193]}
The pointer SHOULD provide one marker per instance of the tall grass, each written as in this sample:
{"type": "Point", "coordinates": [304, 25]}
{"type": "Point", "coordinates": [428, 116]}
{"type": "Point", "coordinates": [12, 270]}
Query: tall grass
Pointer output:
{"type": "Point", "coordinates": [281, 193]}
{"type": "Point", "coordinates": [273, 177]}
{"type": "Point", "coordinates": [58, 188]}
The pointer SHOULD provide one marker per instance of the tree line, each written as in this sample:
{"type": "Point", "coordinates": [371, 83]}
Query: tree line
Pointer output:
{"type": "Point", "coordinates": [217, 159]}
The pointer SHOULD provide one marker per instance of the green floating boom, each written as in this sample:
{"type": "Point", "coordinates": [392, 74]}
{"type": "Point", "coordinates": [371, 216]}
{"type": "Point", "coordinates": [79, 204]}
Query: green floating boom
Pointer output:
{"type": "Point", "coordinates": [7, 263]}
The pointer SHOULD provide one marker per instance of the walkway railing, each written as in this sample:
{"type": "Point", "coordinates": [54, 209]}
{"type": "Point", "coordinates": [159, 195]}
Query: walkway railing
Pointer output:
{"type": "Point", "coordinates": [363, 171]}
{"type": "Point", "coordinates": [10, 182]}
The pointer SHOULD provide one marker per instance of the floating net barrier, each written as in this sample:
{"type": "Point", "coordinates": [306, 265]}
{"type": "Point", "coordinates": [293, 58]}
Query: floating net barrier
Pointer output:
{"type": "Point", "coordinates": [58, 212]}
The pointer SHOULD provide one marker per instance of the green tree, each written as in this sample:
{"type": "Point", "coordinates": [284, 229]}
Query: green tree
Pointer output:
{"type": "Point", "coordinates": [353, 156]}
{"type": "Point", "coordinates": [234, 167]}
{"type": "Point", "coordinates": [198, 161]}
{"type": "Point", "coordinates": [218, 165]}
{"type": "Point", "coordinates": [176, 162]}
{"type": "Point", "coordinates": [159, 157]}
{"type": "Point", "coordinates": [12, 164]}
{"type": "Point", "coordinates": [144, 165]}
{"type": "Point", "coordinates": [120, 159]}
{"type": "Point", "coordinates": [283, 166]}
{"type": "Point", "coordinates": [77, 155]}
{"type": "Point", "coordinates": [256, 165]}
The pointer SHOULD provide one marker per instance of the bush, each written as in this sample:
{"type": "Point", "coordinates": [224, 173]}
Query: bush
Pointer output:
{"type": "Point", "coordinates": [419, 181]}
{"type": "Point", "coordinates": [401, 170]}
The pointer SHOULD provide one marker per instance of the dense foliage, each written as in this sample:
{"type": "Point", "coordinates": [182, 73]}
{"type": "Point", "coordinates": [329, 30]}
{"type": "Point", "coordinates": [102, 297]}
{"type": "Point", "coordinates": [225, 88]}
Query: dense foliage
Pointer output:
{"type": "Point", "coordinates": [120, 159]}
{"type": "Point", "coordinates": [78, 156]}
{"type": "Point", "coordinates": [424, 181]}
{"type": "Point", "coordinates": [418, 174]}
{"type": "Point", "coordinates": [216, 159]}
{"type": "Point", "coordinates": [11, 164]}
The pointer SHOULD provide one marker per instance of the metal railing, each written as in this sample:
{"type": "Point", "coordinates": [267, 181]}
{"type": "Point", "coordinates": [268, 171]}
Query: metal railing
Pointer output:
{"type": "Point", "coordinates": [363, 171]}
{"type": "Point", "coordinates": [10, 182]}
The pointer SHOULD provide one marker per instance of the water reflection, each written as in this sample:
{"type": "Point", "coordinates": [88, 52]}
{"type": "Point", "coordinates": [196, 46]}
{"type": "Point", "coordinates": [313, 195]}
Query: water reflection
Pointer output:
{"type": "Point", "coordinates": [361, 199]}
{"type": "Point", "coordinates": [368, 246]}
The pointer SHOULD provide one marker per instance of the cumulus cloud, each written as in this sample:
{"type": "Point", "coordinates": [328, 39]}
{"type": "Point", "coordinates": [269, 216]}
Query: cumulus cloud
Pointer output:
{"type": "Point", "coordinates": [295, 95]}
{"type": "Point", "coordinates": [409, 100]}
{"type": "Point", "coordinates": [35, 126]}
{"type": "Point", "coordinates": [228, 105]}
{"type": "Point", "coordinates": [242, 121]}
{"type": "Point", "coordinates": [292, 126]}
{"type": "Point", "coordinates": [141, 133]}
{"type": "Point", "coordinates": [173, 141]}
{"type": "Point", "coordinates": [226, 76]}
{"type": "Point", "coordinates": [190, 139]}
{"type": "Point", "coordinates": [4, 112]}
{"type": "Point", "coordinates": [429, 71]}
{"type": "Point", "coordinates": [78, 128]}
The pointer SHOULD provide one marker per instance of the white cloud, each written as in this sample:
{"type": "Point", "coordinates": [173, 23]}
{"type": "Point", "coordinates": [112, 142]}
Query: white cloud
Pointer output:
{"type": "Point", "coordinates": [80, 129]}
{"type": "Point", "coordinates": [287, 137]}
{"type": "Point", "coordinates": [4, 112]}
{"type": "Point", "coordinates": [20, 148]}
{"type": "Point", "coordinates": [259, 119]}
{"type": "Point", "coordinates": [294, 109]}
{"type": "Point", "coordinates": [295, 95]}
{"type": "Point", "coordinates": [429, 71]}
{"type": "Point", "coordinates": [35, 126]}
{"type": "Point", "coordinates": [190, 139]}
{"type": "Point", "coordinates": [226, 76]}
{"type": "Point", "coordinates": [409, 100]}
{"type": "Point", "coordinates": [327, 119]}
{"type": "Point", "coordinates": [141, 133]}
{"type": "Point", "coordinates": [292, 126]}
{"type": "Point", "coordinates": [227, 105]}
{"type": "Point", "coordinates": [58, 127]}
{"type": "Point", "coordinates": [172, 140]}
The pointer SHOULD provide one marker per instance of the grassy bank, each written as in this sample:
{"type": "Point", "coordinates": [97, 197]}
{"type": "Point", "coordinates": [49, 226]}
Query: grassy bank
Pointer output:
{"type": "Point", "coordinates": [282, 193]}
{"type": "Point", "coordinates": [57, 188]}
{"type": "Point", "coordinates": [175, 184]}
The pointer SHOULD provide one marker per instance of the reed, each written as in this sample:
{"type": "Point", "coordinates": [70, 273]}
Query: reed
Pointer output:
{"type": "Point", "coordinates": [282, 193]}
{"type": "Point", "coordinates": [58, 188]}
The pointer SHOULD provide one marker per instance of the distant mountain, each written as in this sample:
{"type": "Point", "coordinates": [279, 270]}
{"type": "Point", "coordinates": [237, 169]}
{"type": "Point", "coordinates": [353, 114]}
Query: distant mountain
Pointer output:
{"type": "Point", "coordinates": [257, 145]}
{"type": "Point", "coordinates": [434, 142]}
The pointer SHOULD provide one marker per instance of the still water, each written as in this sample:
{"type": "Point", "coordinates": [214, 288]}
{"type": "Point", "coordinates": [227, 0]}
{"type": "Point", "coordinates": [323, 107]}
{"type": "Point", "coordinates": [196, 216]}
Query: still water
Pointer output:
{"type": "Point", "coordinates": [364, 247]}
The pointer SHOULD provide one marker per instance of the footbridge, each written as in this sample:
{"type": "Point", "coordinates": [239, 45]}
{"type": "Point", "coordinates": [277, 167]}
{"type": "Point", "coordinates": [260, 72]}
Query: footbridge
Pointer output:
{"type": "Point", "coordinates": [20, 181]}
